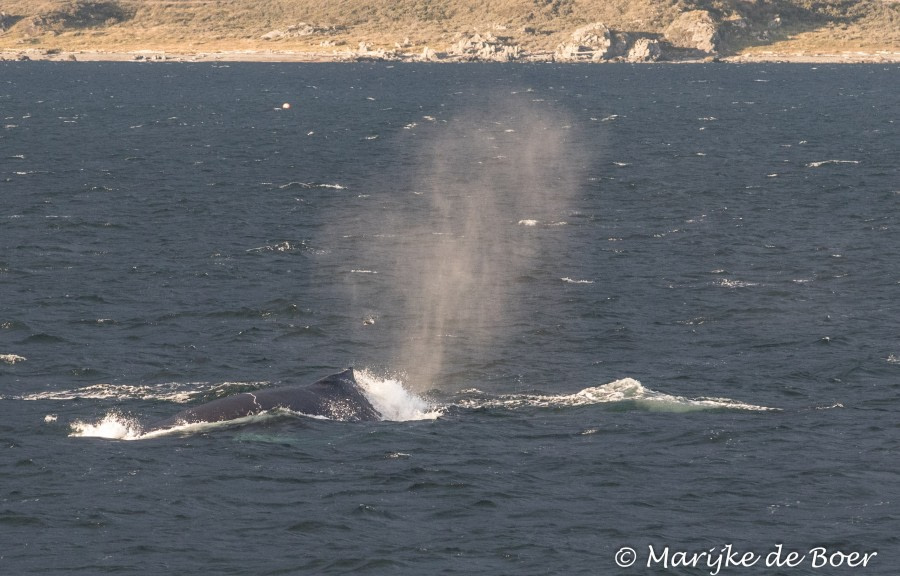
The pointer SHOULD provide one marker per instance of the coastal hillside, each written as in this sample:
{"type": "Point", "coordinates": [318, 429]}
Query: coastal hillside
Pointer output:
{"type": "Point", "coordinates": [463, 29]}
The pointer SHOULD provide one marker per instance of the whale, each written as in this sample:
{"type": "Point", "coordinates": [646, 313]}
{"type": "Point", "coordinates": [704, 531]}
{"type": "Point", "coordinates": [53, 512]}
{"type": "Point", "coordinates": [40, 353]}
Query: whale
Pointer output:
{"type": "Point", "coordinates": [336, 397]}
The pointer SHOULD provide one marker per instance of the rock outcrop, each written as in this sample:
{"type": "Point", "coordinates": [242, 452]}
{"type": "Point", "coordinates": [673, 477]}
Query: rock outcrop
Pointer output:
{"type": "Point", "coordinates": [593, 43]}
{"type": "Point", "coordinates": [645, 50]}
{"type": "Point", "coordinates": [365, 53]}
{"type": "Point", "coordinates": [483, 47]}
{"type": "Point", "coordinates": [428, 55]}
{"type": "Point", "coordinates": [589, 43]}
{"type": "Point", "coordinates": [694, 30]}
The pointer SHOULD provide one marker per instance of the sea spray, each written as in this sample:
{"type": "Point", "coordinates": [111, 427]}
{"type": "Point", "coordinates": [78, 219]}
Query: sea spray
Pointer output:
{"type": "Point", "coordinates": [114, 426]}
{"type": "Point", "coordinates": [484, 179]}
{"type": "Point", "coordinates": [392, 400]}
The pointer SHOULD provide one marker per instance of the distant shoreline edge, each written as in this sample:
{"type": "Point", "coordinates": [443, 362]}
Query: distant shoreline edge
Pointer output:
{"type": "Point", "coordinates": [286, 56]}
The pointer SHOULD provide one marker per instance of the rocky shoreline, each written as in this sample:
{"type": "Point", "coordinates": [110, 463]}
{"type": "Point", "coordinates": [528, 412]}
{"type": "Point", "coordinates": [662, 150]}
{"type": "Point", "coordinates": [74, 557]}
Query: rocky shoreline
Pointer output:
{"type": "Point", "coordinates": [742, 35]}
{"type": "Point", "coordinates": [844, 57]}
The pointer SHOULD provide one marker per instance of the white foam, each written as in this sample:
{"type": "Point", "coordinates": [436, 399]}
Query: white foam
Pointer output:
{"type": "Point", "coordinates": [296, 184]}
{"type": "Point", "coordinates": [827, 162]}
{"type": "Point", "coordinates": [727, 283]}
{"type": "Point", "coordinates": [572, 281]}
{"type": "Point", "coordinates": [11, 358]}
{"type": "Point", "coordinates": [832, 407]}
{"type": "Point", "coordinates": [178, 392]}
{"type": "Point", "coordinates": [113, 426]}
{"type": "Point", "coordinates": [278, 247]}
{"type": "Point", "coordinates": [394, 402]}
{"type": "Point", "coordinates": [116, 426]}
{"type": "Point", "coordinates": [530, 222]}
{"type": "Point", "coordinates": [623, 390]}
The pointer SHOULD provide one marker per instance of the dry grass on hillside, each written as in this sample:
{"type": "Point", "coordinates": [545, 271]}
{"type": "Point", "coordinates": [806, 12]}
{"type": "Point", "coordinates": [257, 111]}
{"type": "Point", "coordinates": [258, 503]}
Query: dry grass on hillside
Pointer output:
{"type": "Point", "coordinates": [196, 25]}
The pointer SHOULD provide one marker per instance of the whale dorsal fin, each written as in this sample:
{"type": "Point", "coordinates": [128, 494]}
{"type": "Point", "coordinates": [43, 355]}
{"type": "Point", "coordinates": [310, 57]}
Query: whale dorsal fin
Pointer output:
{"type": "Point", "coordinates": [341, 379]}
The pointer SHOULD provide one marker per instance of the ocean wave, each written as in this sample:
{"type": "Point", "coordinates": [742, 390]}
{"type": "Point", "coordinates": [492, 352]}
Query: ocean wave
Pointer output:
{"type": "Point", "coordinates": [828, 162]}
{"type": "Point", "coordinates": [176, 392]}
{"type": "Point", "coordinates": [284, 246]}
{"type": "Point", "coordinates": [532, 222]}
{"type": "Point", "coordinates": [728, 283]}
{"type": "Point", "coordinates": [625, 390]}
{"type": "Point", "coordinates": [294, 184]}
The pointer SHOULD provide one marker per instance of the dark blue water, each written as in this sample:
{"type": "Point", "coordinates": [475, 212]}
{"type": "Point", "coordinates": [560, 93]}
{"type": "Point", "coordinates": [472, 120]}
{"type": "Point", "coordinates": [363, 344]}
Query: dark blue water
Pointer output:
{"type": "Point", "coordinates": [655, 307]}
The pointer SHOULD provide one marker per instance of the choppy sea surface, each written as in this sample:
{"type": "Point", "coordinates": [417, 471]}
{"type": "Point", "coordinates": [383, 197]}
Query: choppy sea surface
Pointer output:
{"type": "Point", "coordinates": [617, 319]}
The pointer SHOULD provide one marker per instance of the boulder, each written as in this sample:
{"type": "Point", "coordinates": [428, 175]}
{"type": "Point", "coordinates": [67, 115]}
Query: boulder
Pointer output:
{"type": "Point", "coordinates": [365, 53]}
{"type": "Point", "coordinates": [596, 35]}
{"type": "Point", "coordinates": [569, 52]}
{"type": "Point", "coordinates": [694, 30]}
{"type": "Point", "coordinates": [594, 42]}
{"type": "Point", "coordinates": [645, 50]}
{"type": "Point", "coordinates": [273, 35]}
{"type": "Point", "coordinates": [428, 55]}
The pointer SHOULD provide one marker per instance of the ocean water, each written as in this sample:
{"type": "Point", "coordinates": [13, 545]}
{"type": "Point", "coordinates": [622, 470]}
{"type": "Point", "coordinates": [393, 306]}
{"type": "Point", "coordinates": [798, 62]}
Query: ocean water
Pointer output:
{"type": "Point", "coordinates": [617, 319]}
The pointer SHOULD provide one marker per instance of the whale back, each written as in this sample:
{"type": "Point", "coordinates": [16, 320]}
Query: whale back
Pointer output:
{"type": "Point", "coordinates": [340, 398]}
{"type": "Point", "coordinates": [336, 397]}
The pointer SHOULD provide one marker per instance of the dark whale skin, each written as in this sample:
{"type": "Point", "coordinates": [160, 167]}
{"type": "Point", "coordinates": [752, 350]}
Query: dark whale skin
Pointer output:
{"type": "Point", "coordinates": [336, 397]}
